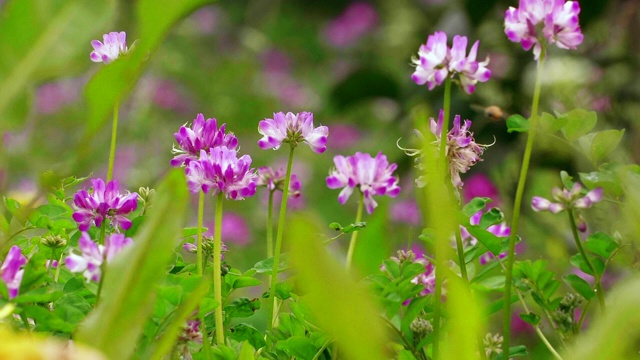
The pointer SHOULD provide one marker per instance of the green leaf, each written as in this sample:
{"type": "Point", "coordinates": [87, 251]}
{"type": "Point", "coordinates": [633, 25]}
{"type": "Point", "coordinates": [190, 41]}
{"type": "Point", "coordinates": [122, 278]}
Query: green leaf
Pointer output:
{"type": "Point", "coordinates": [491, 217]}
{"type": "Point", "coordinates": [237, 282]}
{"type": "Point", "coordinates": [131, 278]}
{"type": "Point", "coordinates": [578, 261]}
{"type": "Point", "coordinates": [242, 308]}
{"type": "Point", "coordinates": [266, 266]}
{"type": "Point", "coordinates": [342, 307]}
{"type": "Point", "coordinates": [603, 143]}
{"type": "Point", "coordinates": [40, 39]}
{"type": "Point", "coordinates": [244, 332]}
{"type": "Point", "coordinates": [549, 124]}
{"type": "Point", "coordinates": [246, 352]}
{"type": "Point", "coordinates": [299, 346]}
{"type": "Point", "coordinates": [39, 295]}
{"type": "Point", "coordinates": [475, 205]}
{"type": "Point", "coordinates": [46, 320]}
{"type": "Point", "coordinates": [567, 180]}
{"type": "Point", "coordinates": [579, 122]}
{"type": "Point", "coordinates": [580, 286]}
{"type": "Point", "coordinates": [492, 283]}
{"type": "Point", "coordinates": [517, 123]}
{"type": "Point", "coordinates": [514, 351]}
{"type": "Point", "coordinates": [530, 318]}
{"type": "Point", "coordinates": [35, 273]}
{"type": "Point", "coordinates": [601, 244]}
{"type": "Point", "coordinates": [284, 290]}
{"type": "Point", "coordinates": [489, 240]}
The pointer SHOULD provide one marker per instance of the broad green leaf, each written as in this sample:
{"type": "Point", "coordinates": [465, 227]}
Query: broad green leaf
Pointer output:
{"type": "Point", "coordinates": [489, 240]}
{"type": "Point", "coordinates": [517, 123]}
{"type": "Point", "coordinates": [492, 283]}
{"type": "Point", "coordinates": [491, 217]}
{"type": "Point", "coordinates": [299, 346]}
{"type": "Point", "coordinates": [266, 265]}
{"type": "Point", "coordinates": [47, 320]}
{"type": "Point", "coordinates": [549, 123]}
{"type": "Point", "coordinates": [244, 281]}
{"type": "Point", "coordinates": [580, 286]}
{"type": "Point", "coordinates": [242, 308]}
{"type": "Point", "coordinates": [605, 179]}
{"type": "Point", "coordinates": [601, 244]}
{"type": "Point", "coordinates": [283, 290]}
{"type": "Point", "coordinates": [35, 273]}
{"type": "Point", "coordinates": [246, 352]}
{"type": "Point", "coordinates": [40, 39]}
{"type": "Point", "coordinates": [603, 143]}
{"type": "Point", "coordinates": [244, 332]}
{"type": "Point", "coordinates": [131, 278]}
{"type": "Point", "coordinates": [530, 318]}
{"type": "Point", "coordinates": [39, 295]}
{"type": "Point", "coordinates": [341, 306]}
{"type": "Point", "coordinates": [579, 122]}
{"type": "Point", "coordinates": [578, 261]}
{"type": "Point", "coordinates": [475, 205]}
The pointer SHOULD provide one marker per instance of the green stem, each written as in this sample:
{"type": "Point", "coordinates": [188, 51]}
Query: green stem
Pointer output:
{"type": "Point", "coordinates": [439, 264]}
{"type": "Point", "coordinates": [354, 235]}
{"type": "Point", "coordinates": [103, 266]}
{"type": "Point", "coordinates": [57, 275]}
{"type": "Point", "coordinates": [200, 264]}
{"type": "Point", "coordinates": [112, 150]}
{"type": "Point", "coordinates": [463, 265]}
{"type": "Point", "coordinates": [596, 276]}
{"type": "Point", "coordinates": [270, 225]}
{"type": "Point", "coordinates": [517, 204]}
{"type": "Point", "coordinates": [217, 273]}
{"type": "Point", "coordinates": [276, 256]}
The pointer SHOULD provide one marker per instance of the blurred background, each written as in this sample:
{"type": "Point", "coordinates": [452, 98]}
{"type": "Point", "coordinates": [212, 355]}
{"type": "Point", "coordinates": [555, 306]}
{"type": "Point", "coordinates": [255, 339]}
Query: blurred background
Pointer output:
{"type": "Point", "coordinates": [348, 62]}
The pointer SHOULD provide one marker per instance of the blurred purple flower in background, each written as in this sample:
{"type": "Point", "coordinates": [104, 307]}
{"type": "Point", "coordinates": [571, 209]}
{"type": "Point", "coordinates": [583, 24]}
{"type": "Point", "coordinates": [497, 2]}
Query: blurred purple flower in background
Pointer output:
{"type": "Point", "coordinates": [11, 272]}
{"type": "Point", "coordinates": [92, 255]}
{"type": "Point", "coordinates": [53, 96]}
{"type": "Point", "coordinates": [104, 202]}
{"type": "Point", "coordinates": [234, 229]}
{"type": "Point", "coordinates": [221, 171]}
{"type": "Point", "coordinates": [293, 129]}
{"type": "Point", "coordinates": [274, 180]}
{"type": "Point", "coordinates": [558, 20]}
{"type": "Point", "coordinates": [372, 176]}
{"type": "Point", "coordinates": [343, 136]}
{"type": "Point", "coordinates": [436, 61]}
{"type": "Point", "coordinates": [357, 20]}
{"type": "Point", "coordinates": [114, 44]}
{"type": "Point", "coordinates": [479, 185]}
{"type": "Point", "coordinates": [567, 199]}
{"type": "Point", "coordinates": [202, 135]}
{"type": "Point", "coordinates": [405, 211]}
{"type": "Point", "coordinates": [281, 83]}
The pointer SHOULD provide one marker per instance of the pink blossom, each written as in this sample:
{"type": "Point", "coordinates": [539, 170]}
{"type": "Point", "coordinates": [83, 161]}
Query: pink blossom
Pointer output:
{"type": "Point", "coordinates": [11, 271]}
{"type": "Point", "coordinates": [92, 255]}
{"type": "Point", "coordinates": [357, 20]}
{"type": "Point", "coordinates": [202, 135]}
{"type": "Point", "coordinates": [293, 129]}
{"type": "Point", "coordinates": [104, 202]}
{"type": "Point", "coordinates": [114, 44]}
{"type": "Point", "coordinates": [567, 199]}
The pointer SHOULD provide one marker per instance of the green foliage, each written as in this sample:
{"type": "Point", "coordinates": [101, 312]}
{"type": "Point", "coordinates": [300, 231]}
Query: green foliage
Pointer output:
{"type": "Point", "coordinates": [130, 280]}
{"type": "Point", "coordinates": [534, 277]}
{"type": "Point", "coordinates": [578, 123]}
{"type": "Point", "coordinates": [517, 123]}
{"type": "Point", "coordinates": [580, 286]}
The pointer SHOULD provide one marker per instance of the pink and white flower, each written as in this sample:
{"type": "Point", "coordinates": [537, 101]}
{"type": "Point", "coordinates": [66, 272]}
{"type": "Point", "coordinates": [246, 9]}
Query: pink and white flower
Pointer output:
{"type": "Point", "coordinates": [293, 129]}
{"type": "Point", "coordinates": [104, 202]}
{"type": "Point", "coordinates": [202, 135]}
{"type": "Point", "coordinates": [92, 255]}
{"type": "Point", "coordinates": [567, 199]}
{"type": "Point", "coordinates": [114, 44]}
{"type": "Point", "coordinates": [372, 176]}
{"type": "Point", "coordinates": [11, 271]}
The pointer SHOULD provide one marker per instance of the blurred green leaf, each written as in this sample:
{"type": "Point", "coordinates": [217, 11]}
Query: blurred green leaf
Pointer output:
{"type": "Point", "coordinates": [530, 318]}
{"type": "Point", "coordinates": [579, 122]}
{"type": "Point", "coordinates": [299, 346]}
{"type": "Point", "coordinates": [601, 244]}
{"type": "Point", "coordinates": [39, 295]}
{"type": "Point", "coordinates": [131, 278]}
{"type": "Point", "coordinates": [266, 265]}
{"type": "Point", "coordinates": [341, 306]}
{"type": "Point", "coordinates": [242, 308]}
{"type": "Point", "coordinates": [514, 351]}
{"type": "Point", "coordinates": [492, 283]}
{"type": "Point", "coordinates": [244, 332]}
{"type": "Point", "coordinates": [246, 352]}
{"type": "Point", "coordinates": [463, 321]}
{"type": "Point", "coordinates": [603, 143]}
{"type": "Point", "coordinates": [578, 261]}
{"type": "Point", "coordinates": [517, 123]}
{"type": "Point", "coordinates": [549, 124]}
{"type": "Point", "coordinates": [567, 180]}
{"type": "Point", "coordinates": [580, 286]}
{"type": "Point", "coordinates": [40, 38]}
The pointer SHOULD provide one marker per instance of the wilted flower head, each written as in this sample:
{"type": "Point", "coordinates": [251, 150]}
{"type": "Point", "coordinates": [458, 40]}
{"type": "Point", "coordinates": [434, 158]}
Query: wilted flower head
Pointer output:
{"type": "Point", "coordinates": [373, 176]}
{"type": "Point", "coordinates": [11, 271]}
{"type": "Point", "coordinates": [220, 170]}
{"type": "Point", "coordinates": [567, 199]}
{"type": "Point", "coordinates": [202, 135]}
{"type": "Point", "coordinates": [436, 61]}
{"type": "Point", "coordinates": [92, 255]}
{"type": "Point", "coordinates": [103, 202]}
{"type": "Point", "coordinates": [274, 180]}
{"type": "Point", "coordinates": [115, 44]}
{"type": "Point", "coordinates": [549, 21]}
{"type": "Point", "coordinates": [293, 129]}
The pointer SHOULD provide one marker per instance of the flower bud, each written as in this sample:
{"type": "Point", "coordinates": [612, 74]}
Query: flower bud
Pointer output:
{"type": "Point", "coordinates": [421, 327]}
{"type": "Point", "coordinates": [54, 241]}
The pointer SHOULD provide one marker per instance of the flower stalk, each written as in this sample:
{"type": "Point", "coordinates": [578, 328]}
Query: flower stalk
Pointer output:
{"type": "Point", "coordinates": [276, 255]}
{"type": "Point", "coordinates": [217, 270]}
{"type": "Point", "coordinates": [354, 235]}
{"type": "Point", "coordinates": [200, 264]}
{"type": "Point", "coordinates": [518, 203]}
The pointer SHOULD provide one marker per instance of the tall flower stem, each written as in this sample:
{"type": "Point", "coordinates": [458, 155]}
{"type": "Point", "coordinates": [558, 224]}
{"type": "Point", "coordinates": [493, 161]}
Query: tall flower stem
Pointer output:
{"type": "Point", "coordinates": [596, 276]}
{"type": "Point", "coordinates": [200, 264]}
{"type": "Point", "coordinates": [276, 255]}
{"type": "Point", "coordinates": [517, 204]}
{"type": "Point", "coordinates": [217, 273]}
{"type": "Point", "coordinates": [446, 109]}
{"type": "Point", "coordinates": [114, 133]}
{"type": "Point", "coordinates": [354, 235]}
{"type": "Point", "coordinates": [103, 266]}
{"type": "Point", "coordinates": [270, 225]}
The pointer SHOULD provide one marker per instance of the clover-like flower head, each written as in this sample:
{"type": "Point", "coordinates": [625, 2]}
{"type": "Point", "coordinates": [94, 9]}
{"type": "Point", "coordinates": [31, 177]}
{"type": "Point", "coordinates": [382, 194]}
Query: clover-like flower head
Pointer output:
{"type": "Point", "coordinates": [567, 199]}
{"type": "Point", "coordinates": [114, 44]}
{"type": "Point", "coordinates": [293, 129]}
{"type": "Point", "coordinates": [202, 135]}
{"type": "Point", "coordinates": [104, 202]}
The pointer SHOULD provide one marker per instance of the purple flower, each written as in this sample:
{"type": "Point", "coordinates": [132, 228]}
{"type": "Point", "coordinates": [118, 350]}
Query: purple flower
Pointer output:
{"type": "Point", "coordinates": [436, 61]}
{"type": "Point", "coordinates": [221, 170]}
{"type": "Point", "coordinates": [557, 19]}
{"type": "Point", "coordinates": [292, 128]}
{"type": "Point", "coordinates": [373, 176]}
{"type": "Point", "coordinates": [115, 44]}
{"type": "Point", "coordinates": [406, 211]}
{"type": "Point", "coordinates": [92, 255]}
{"type": "Point", "coordinates": [274, 180]}
{"type": "Point", "coordinates": [104, 202]}
{"type": "Point", "coordinates": [479, 185]}
{"type": "Point", "coordinates": [359, 19]}
{"type": "Point", "coordinates": [567, 199]}
{"type": "Point", "coordinates": [11, 272]}
{"type": "Point", "coordinates": [202, 135]}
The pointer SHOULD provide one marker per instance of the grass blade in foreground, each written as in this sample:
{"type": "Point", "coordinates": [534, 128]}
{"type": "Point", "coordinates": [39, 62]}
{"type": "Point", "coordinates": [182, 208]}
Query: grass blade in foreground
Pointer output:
{"type": "Point", "coordinates": [341, 305]}
{"type": "Point", "coordinates": [129, 286]}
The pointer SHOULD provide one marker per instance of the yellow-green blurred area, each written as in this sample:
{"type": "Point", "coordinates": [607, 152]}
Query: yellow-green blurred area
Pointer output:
{"type": "Point", "coordinates": [241, 61]}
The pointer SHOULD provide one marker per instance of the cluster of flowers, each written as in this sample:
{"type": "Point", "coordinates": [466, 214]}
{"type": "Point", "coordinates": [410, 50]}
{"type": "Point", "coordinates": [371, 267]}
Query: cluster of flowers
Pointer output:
{"type": "Point", "coordinates": [436, 62]}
